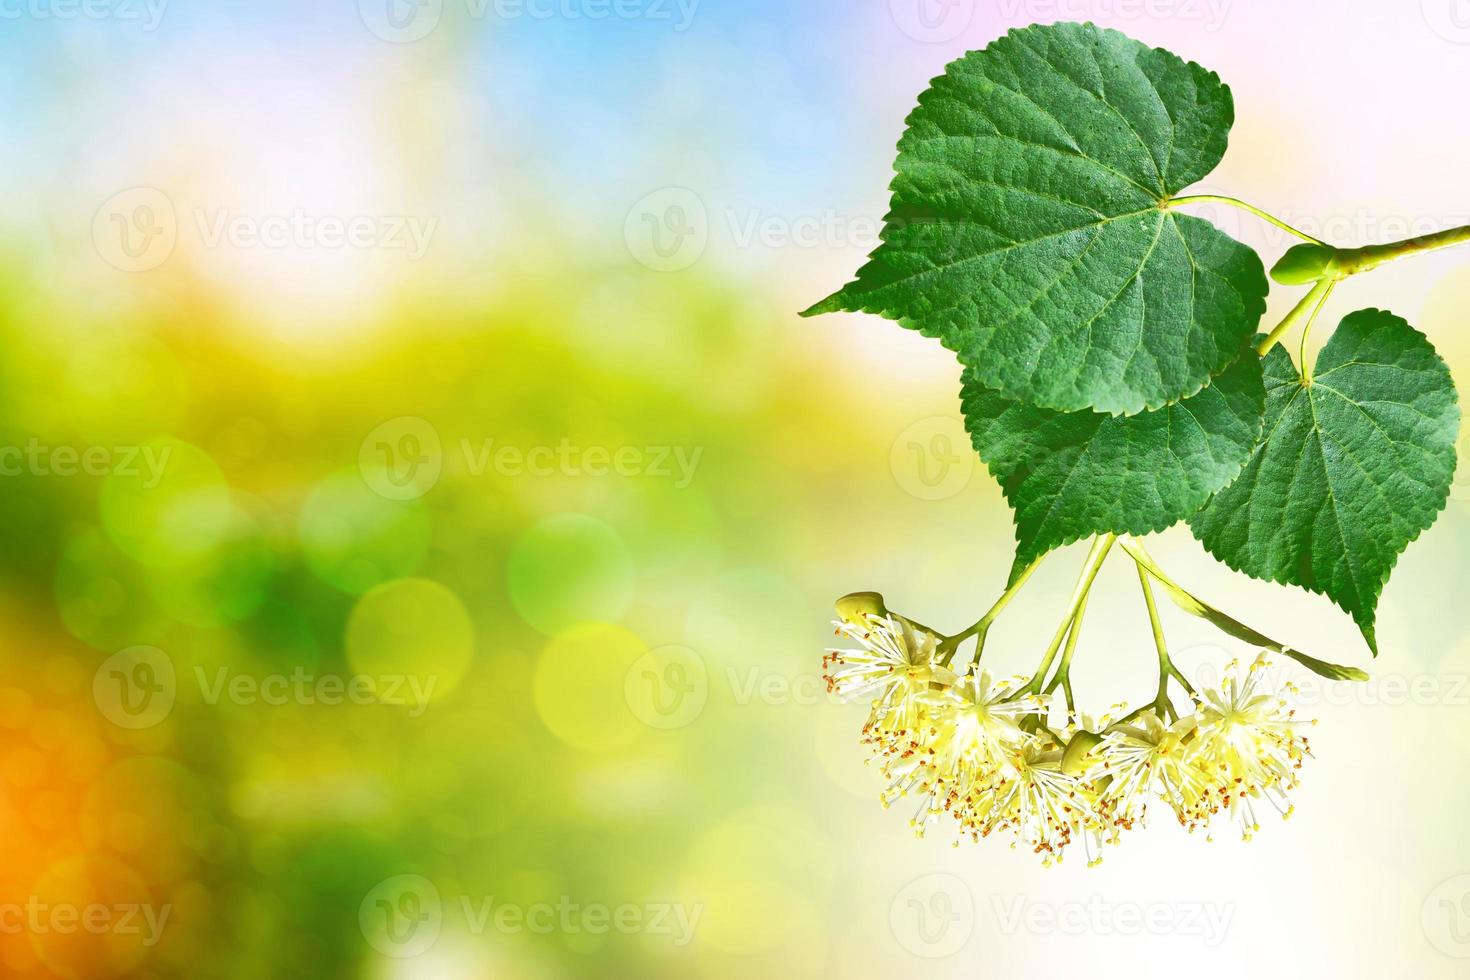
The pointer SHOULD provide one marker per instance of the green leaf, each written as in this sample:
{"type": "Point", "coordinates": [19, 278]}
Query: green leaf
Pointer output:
{"type": "Point", "coordinates": [1072, 475]}
{"type": "Point", "coordinates": [1233, 627]}
{"type": "Point", "coordinates": [1355, 465]}
{"type": "Point", "coordinates": [1028, 230]}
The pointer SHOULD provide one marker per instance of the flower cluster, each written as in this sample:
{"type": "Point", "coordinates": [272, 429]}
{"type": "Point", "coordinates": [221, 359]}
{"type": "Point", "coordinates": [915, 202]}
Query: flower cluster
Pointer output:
{"type": "Point", "coordinates": [982, 751]}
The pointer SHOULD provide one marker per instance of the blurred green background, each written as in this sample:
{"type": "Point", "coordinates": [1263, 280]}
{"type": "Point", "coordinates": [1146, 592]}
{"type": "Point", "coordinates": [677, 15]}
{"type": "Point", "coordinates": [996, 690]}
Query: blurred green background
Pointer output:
{"type": "Point", "coordinates": [423, 508]}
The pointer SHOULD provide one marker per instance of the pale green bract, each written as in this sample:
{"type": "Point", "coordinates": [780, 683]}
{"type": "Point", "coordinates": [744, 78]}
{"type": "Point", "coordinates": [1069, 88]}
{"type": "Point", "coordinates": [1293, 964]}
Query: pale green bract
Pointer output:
{"type": "Point", "coordinates": [1354, 466]}
{"type": "Point", "coordinates": [1028, 230]}
{"type": "Point", "coordinates": [1072, 475]}
{"type": "Point", "coordinates": [1231, 626]}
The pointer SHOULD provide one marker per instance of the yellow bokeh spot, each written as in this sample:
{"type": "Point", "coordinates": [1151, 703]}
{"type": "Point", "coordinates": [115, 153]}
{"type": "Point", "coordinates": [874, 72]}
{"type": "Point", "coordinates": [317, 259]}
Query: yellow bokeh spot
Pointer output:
{"type": "Point", "coordinates": [579, 687]}
{"type": "Point", "coordinates": [413, 629]}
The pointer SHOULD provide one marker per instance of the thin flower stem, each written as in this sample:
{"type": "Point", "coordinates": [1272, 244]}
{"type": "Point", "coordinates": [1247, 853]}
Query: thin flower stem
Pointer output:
{"type": "Point", "coordinates": [1236, 203]}
{"type": "Point", "coordinates": [1162, 703]}
{"type": "Point", "coordinates": [1101, 545]}
{"type": "Point", "coordinates": [951, 644]}
{"type": "Point", "coordinates": [1063, 676]}
{"type": "Point", "coordinates": [1308, 305]}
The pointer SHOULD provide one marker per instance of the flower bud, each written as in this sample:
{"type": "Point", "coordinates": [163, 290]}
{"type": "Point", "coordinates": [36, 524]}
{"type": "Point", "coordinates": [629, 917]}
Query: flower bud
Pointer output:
{"type": "Point", "coordinates": [1075, 758]}
{"type": "Point", "coordinates": [1304, 264]}
{"type": "Point", "coordinates": [859, 606]}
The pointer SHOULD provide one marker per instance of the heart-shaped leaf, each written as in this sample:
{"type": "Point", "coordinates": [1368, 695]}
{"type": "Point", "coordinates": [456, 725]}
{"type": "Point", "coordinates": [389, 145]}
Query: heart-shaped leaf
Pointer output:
{"type": "Point", "coordinates": [1074, 474]}
{"type": "Point", "coordinates": [1029, 233]}
{"type": "Point", "coordinates": [1355, 464]}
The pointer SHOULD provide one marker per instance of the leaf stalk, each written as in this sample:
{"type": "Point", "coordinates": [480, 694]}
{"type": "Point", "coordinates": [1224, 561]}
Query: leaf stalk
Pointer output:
{"type": "Point", "coordinates": [1237, 203]}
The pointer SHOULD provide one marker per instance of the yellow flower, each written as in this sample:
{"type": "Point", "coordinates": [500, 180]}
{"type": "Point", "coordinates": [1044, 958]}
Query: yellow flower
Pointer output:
{"type": "Point", "coordinates": [1249, 742]}
{"type": "Point", "coordinates": [892, 665]}
{"type": "Point", "coordinates": [1141, 761]}
{"type": "Point", "coordinates": [1033, 799]}
{"type": "Point", "coordinates": [968, 733]}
